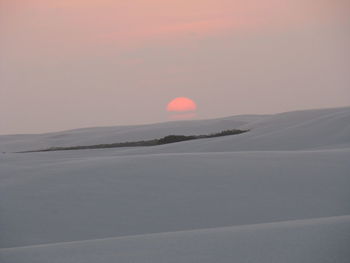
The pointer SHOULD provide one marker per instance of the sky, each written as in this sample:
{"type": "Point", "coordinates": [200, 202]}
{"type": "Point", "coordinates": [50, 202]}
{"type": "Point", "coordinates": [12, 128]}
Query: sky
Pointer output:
{"type": "Point", "coordinates": [68, 64]}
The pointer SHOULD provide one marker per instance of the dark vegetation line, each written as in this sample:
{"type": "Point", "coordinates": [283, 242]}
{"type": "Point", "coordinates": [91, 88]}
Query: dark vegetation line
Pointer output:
{"type": "Point", "coordinates": [154, 142]}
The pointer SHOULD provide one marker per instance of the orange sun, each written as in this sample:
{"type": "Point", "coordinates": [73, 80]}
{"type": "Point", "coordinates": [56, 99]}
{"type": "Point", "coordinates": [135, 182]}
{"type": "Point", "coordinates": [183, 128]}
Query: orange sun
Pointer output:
{"type": "Point", "coordinates": [181, 104]}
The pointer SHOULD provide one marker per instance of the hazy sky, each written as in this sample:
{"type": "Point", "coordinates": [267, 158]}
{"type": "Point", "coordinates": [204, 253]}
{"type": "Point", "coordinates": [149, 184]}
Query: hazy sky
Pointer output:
{"type": "Point", "coordinates": [78, 63]}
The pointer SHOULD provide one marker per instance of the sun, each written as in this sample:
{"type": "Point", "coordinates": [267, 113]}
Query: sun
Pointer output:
{"type": "Point", "coordinates": [181, 104]}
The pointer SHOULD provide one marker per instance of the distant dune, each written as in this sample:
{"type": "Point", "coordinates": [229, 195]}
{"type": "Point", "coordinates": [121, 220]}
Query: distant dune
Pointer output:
{"type": "Point", "coordinates": [324, 128]}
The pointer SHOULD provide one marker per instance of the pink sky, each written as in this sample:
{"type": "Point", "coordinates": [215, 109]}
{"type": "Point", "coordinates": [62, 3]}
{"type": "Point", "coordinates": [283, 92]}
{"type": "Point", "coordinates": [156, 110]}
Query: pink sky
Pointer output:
{"type": "Point", "coordinates": [77, 63]}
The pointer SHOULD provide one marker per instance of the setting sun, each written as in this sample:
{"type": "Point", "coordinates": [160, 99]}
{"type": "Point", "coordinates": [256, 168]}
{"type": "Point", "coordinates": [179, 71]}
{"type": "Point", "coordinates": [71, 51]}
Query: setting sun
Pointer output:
{"type": "Point", "coordinates": [181, 104]}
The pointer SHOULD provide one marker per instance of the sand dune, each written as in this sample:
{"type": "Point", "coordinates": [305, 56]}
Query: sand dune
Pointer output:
{"type": "Point", "coordinates": [279, 193]}
{"type": "Point", "coordinates": [309, 241]}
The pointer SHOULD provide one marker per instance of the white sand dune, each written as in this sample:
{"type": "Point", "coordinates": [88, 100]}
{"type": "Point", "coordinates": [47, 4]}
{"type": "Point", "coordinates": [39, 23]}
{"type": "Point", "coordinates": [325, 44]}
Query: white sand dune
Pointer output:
{"type": "Point", "coordinates": [279, 193]}
{"type": "Point", "coordinates": [302, 241]}
{"type": "Point", "coordinates": [299, 130]}
{"type": "Point", "coordinates": [309, 129]}
{"type": "Point", "coordinates": [100, 135]}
